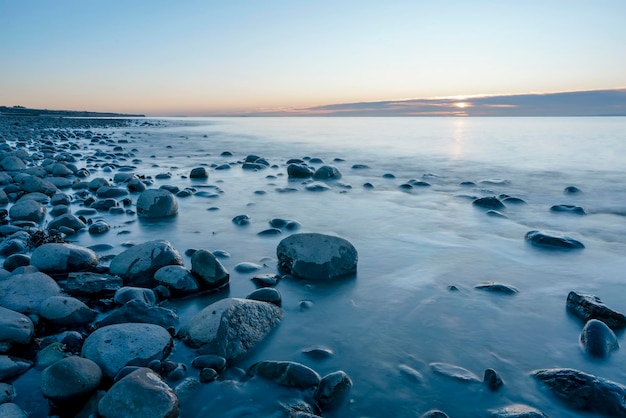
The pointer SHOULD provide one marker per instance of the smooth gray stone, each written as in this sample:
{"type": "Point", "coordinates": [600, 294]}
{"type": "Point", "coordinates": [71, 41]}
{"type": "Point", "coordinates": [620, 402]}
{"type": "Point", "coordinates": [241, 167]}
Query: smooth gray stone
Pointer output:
{"type": "Point", "coordinates": [327, 172]}
{"type": "Point", "coordinates": [67, 220]}
{"type": "Point", "coordinates": [49, 355]}
{"type": "Point", "coordinates": [588, 307]}
{"type": "Point", "coordinates": [69, 379]}
{"type": "Point", "coordinates": [25, 292]}
{"type": "Point", "coordinates": [598, 339]}
{"type": "Point", "coordinates": [317, 256]}
{"type": "Point", "coordinates": [141, 312]}
{"type": "Point", "coordinates": [28, 210]}
{"type": "Point", "coordinates": [177, 279]}
{"type": "Point", "coordinates": [490, 202]}
{"type": "Point", "coordinates": [212, 361]}
{"type": "Point", "coordinates": [434, 413]}
{"type": "Point", "coordinates": [247, 267]}
{"type": "Point", "coordinates": [585, 392]}
{"type": "Point", "coordinates": [111, 191]}
{"type": "Point", "coordinates": [12, 163]}
{"type": "Point", "coordinates": [517, 411]}
{"type": "Point", "coordinates": [543, 240]}
{"type": "Point", "coordinates": [11, 410]}
{"type": "Point", "coordinates": [63, 258]}
{"type": "Point", "coordinates": [141, 393]}
{"type": "Point", "coordinates": [12, 366]}
{"type": "Point", "coordinates": [156, 203]}
{"type": "Point", "coordinates": [125, 294]}
{"type": "Point", "coordinates": [266, 295]}
{"type": "Point", "coordinates": [333, 388]}
{"type": "Point", "coordinates": [15, 328]}
{"type": "Point", "coordinates": [230, 327]}
{"type": "Point", "coordinates": [492, 379]}
{"type": "Point", "coordinates": [576, 210]}
{"type": "Point", "coordinates": [497, 288]}
{"type": "Point", "coordinates": [66, 311]}
{"type": "Point", "coordinates": [36, 184]}
{"type": "Point", "coordinates": [138, 264]}
{"type": "Point", "coordinates": [286, 373]}
{"type": "Point", "coordinates": [455, 372]}
{"type": "Point", "coordinates": [199, 173]}
{"type": "Point", "coordinates": [114, 346]}
{"type": "Point", "coordinates": [299, 171]}
{"type": "Point", "coordinates": [208, 271]}
{"type": "Point", "coordinates": [317, 186]}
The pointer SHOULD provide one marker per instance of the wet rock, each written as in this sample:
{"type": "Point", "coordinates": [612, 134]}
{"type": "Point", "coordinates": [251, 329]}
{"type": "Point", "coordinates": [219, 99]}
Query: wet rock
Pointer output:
{"type": "Point", "coordinates": [7, 393]}
{"type": "Point", "coordinates": [177, 279]}
{"type": "Point", "coordinates": [455, 372]}
{"type": "Point", "coordinates": [286, 373]}
{"type": "Point", "coordinates": [266, 295]}
{"type": "Point", "coordinates": [585, 392]}
{"type": "Point", "coordinates": [25, 292]}
{"type": "Point", "coordinates": [299, 171]}
{"type": "Point", "coordinates": [318, 353]}
{"type": "Point", "coordinates": [99, 227]}
{"type": "Point", "coordinates": [141, 393]}
{"type": "Point", "coordinates": [327, 172]}
{"type": "Point", "coordinates": [208, 375]}
{"type": "Point", "coordinates": [598, 339]}
{"type": "Point", "coordinates": [68, 221]}
{"type": "Point", "coordinates": [265, 280]}
{"type": "Point", "coordinates": [63, 258]}
{"type": "Point", "coordinates": [127, 293]}
{"type": "Point", "coordinates": [86, 283]}
{"type": "Point", "coordinates": [247, 267]}
{"type": "Point", "coordinates": [576, 210]}
{"type": "Point", "coordinates": [208, 270]}
{"type": "Point", "coordinates": [111, 192]}
{"type": "Point", "coordinates": [492, 379]}
{"type": "Point", "coordinates": [209, 361]}
{"type": "Point", "coordinates": [269, 232]}
{"type": "Point", "coordinates": [332, 389]}
{"type": "Point", "coordinates": [316, 256]}
{"type": "Point", "coordinates": [543, 240]}
{"type": "Point", "coordinates": [156, 203]}
{"type": "Point", "coordinates": [16, 260]}
{"type": "Point", "coordinates": [490, 202]}
{"type": "Point", "coordinates": [114, 346]}
{"type": "Point", "coordinates": [27, 210]}
{"type": "Point", "coordinates": [12, 366]}
{"type": "Point", "coordinates": [516, 411]}
{"type": "Point", "coordinates": [199, 173]}
{"type": "Point", "coordinates": [572, 190]}
{"type": "Point", "coordinates": [434, 413]}
{"type": "Point", "coordinates": [588, 307]}
{"type": "Point", "coordinates": [230, 327]}
{"type": "Point", "coordinates": [12, 163]}
{"type": "Point", "coordinates": [70, 379]}
{"type": "Point", "coordinates": [32, 184]}
{"type": "Point", "coordinates": [241, 220]}
{"type": "Point", "coordinates": [317, 186]}
{"type": "Point", "coordinates": [138, 264]}
{"type": "Point", "coordinates": [11, 410]}
{"type": "Point", "coordinates": [65, 311]}
{"type": "Point", "coordinates": [49, 355]}
{"type": "Point", "coordinates": [15, 328]}
{"type": "Point", "coordinates": [141, 312]}
{"type": "Point", "coordinates": [497, 288]}
{"type": "Point", "coordinates": [411, 373]}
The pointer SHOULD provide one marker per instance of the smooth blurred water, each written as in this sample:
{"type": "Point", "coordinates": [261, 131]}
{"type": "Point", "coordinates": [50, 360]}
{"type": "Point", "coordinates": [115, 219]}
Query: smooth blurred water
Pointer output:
{"type": "Point", "coordinates": [398, 310]}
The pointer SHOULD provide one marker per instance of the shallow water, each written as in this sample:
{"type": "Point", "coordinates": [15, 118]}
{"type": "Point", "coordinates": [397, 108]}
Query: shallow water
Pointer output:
{"type": "Point", "coordinates": [398, 310]}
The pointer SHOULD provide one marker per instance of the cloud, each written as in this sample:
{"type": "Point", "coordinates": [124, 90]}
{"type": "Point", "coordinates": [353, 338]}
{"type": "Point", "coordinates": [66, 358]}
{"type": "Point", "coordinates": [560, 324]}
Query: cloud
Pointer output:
{"type": "Point", "coordinates": [577, 103]}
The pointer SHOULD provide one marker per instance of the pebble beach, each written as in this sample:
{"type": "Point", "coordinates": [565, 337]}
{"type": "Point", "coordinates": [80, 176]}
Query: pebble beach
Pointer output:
{"type": "Point", "coordinates": [177, 268]}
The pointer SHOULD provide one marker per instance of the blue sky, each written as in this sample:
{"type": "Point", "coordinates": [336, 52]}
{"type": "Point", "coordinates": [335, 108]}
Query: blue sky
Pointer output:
{"type": "Point", "coordinates": [218, 57]}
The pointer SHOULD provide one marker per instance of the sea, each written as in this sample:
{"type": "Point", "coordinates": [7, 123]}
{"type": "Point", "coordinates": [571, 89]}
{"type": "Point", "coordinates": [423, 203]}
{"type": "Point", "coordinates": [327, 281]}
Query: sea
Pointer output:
{"type": "Point", "coordinates": [422, 250]}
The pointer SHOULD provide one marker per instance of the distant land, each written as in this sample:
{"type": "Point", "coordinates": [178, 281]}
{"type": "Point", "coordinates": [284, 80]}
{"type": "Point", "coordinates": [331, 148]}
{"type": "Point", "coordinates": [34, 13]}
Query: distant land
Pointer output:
{"type": "Point", "coordinates": [23, 111]}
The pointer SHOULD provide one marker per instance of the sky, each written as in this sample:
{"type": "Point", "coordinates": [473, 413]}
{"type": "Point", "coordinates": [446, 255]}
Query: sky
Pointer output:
{"type": "Point", "coordinates": [203, 58]}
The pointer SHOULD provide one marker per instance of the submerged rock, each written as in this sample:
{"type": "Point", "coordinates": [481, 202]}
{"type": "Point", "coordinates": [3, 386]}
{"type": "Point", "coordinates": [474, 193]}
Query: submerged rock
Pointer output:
{"type": "Point", "coordinates": [585, 392]}
{"type": "Point", "coordinates": [490, 202]}
{"type": "Point", "coordinates": [286, 373]}
{"type": "Point", "coordinates": [230, 327]}
{"type": "Point", "coordinates": [576, 210]}
{"type": "Point", "coordinates": [316, 256]}
{"type": "Point", "coordinates": [141, 393]}
{"type": "Point", "coordinates": [497, 288]}
{"type": "Point", "coordinates": [598, 339]}
{"type": "Point", "coordinates": [543, 240]}
{"type": "Point", "coordinates": [332, 389]}
{"type": "Point", "coordinates": [588, 307]}
{"type": "Point", "coordinates": [516, 411]}
{"type": "Point", "coordinates": [455, 372]}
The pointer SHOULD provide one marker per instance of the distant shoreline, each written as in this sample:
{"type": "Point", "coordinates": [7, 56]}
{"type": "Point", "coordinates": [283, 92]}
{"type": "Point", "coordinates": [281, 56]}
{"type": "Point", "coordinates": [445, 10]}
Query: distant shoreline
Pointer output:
{"type": "Point", "coordinates": [27, 112]}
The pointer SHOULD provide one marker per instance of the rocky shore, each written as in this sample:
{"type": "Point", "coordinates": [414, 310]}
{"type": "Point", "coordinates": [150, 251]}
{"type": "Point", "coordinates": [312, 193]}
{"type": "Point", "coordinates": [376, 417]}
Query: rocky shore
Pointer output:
{"type": "Point", "coordinates": [99, 332]}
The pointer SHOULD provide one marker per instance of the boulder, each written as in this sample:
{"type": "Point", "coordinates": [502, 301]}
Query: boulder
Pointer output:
{"type": "Point", "coordinates": [138, 264]}
{"type": "Point", "coordinates": [286, 373]}
{"type": "Point", "coordinates": [585, 392]}
{"type": "Point", "coordinates": [156, 203]}
{"type": "Point", "coordinates": [65, 311]}
{"type": "Point", "coordinates": [588, 307]}
{"type": "Point", "coordinates": [598, 339]}
{"type": "Point", "coordinates": [316, 256]}
{"type": "Point", "coordinates": [27, 210]}
{"type": "Point", "coordinates": [63, 258]}
{"type": "Point", "coordinates": [25, 292]}
{"type": "Point", "coordinates": [15, 328]}
{"type": "Point", "coordinates": [141, 393]}
{"type": "Point", "coordinates": [115, 346]}
{"type": "Point", "coordinates": [230, 327]}
{"type": "Point", "coordinates": [332, 389]}
{"type": "Point", "coordinates": [555, 242]}
{"type": "Point", "coordinates": [70, 379]}
{"type": "Point", "coordinates": [208, 271]}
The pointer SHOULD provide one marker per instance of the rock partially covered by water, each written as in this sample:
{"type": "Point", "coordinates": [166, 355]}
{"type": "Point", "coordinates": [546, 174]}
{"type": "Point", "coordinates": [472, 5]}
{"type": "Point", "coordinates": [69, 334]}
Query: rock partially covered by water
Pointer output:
{"type": "Point", "coordinates": [455, 372]}
{"type": "Point", "coordinates": [137, 265]}
{"type": "Point", "coordinates": [588, 307]}
{"type": "Point", "coordinates": [317, 256]}
{"type": "Point", "coordinates": [516, 411]}
{"type": "Point", "coordinates": [26, 292]}
{"type": "Point", "coordinates": [299, 171]}
{"type": "Point", "coordinates": [156, 203]}
{"type": "Point", "coordinates": [177, 279]}
{"type": "Point", "coordinates": [576, 210]}
{"type": "Point", "coordinates": [208, 271]}
{"type": "Point", "coordinates": [585, 392]}
{"type": "Point", "coordinates": [332, 389]}
{"type": "Point", "coordinates": [63, 258]}
{"type": "Point", "coordinates": [490, 202]}
{"type": "Point", "coordinates": [286, 373]}
{"type": "Point", "coordinates": [598, 339]}
{"type": "Point", "coordinates": [543, 240]}
{"type": "Point", "coordinates": [141, 393]}
{"type": "Point", "coordinates": [27, 210]}
{"type": "Point", "coordinates": [327, 172]}
{"type": "Point", "coordinates": [115, 346]}
{"type": "Point", "coordinates": [199, 173]}
{"type": "Point", "coordinates": [72, 378]}
{"type": "Point", "coordinates": [15, 328]}
{"type": "Point", "coordinates": [230, 327]}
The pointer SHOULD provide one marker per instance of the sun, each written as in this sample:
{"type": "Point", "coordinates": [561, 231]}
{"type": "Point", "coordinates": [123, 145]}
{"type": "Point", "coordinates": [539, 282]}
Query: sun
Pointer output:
{"type": "Point", "coordinates": [462, 105]}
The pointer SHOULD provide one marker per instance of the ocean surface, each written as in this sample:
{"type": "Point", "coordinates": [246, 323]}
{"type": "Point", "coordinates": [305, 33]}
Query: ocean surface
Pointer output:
{"type": "Point", "coordinates": [399, 314]}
